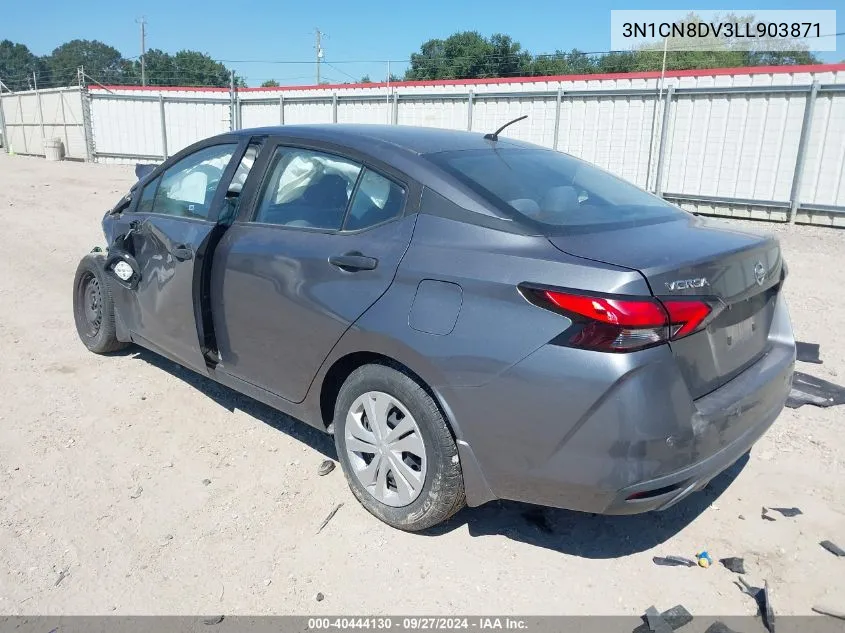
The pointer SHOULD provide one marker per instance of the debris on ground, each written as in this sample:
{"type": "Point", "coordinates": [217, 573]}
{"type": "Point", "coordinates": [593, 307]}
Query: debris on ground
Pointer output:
{"type": "Point", "coordinates": [665, 622]}
{"type": "Point", "coordinates": [320, 597]}
{"type": "Point", "coordinates": [137, 493]}
{"type": "Point", "coordinates": [538, 518]}
{"type": "Point", "coordinates": [734, 564]}
{"type": "Point", "coordinates": [656, 622]}
{"type": "Point", "coordinates": [325, 468]}
{"type": "Point", "coordinates": [831, 611]}
{"type": "Point", "coordinates": [766, 516]}
{"type": "Point", "coordinates": [807, 352]}
{"type": "Point", "coordinates": [673, 561]}
{"type": "Point", "coordinates": [788, 512]}
{"type": "Point", "coordinates": [206, 482]}
{"type": "Point", "coordinates": [808, 389]}
{"type": "Point", "coordinates": [704, 559]}
{"type": "Point", "coordinates": [212, 621]}
{"type": "Point", "coordinates": [329, 518]}
{"type": "Point", "coordinates": [833, 548]}
{"type": "Point", "coordinates": [763, 600]}
{"type": "Point", "coordinates": [62, 575]}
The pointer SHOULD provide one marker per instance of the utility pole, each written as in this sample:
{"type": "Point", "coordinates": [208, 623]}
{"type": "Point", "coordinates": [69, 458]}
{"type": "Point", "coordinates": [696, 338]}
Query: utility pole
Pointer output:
{"type": "Point", "coordinates": [319, 47]}
{"type": "Point", "coordinates": [143, 22]}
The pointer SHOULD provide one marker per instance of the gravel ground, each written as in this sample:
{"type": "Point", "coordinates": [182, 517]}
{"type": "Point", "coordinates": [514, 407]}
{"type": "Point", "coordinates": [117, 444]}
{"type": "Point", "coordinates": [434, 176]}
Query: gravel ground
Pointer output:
{"type": "Point", "coordinates": [105, 507]}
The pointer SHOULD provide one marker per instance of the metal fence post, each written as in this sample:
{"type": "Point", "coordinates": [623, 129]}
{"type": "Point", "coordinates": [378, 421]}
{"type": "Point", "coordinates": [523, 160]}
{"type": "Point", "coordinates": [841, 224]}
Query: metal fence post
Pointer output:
{"type": "Point", "coordinates": [557, 116]}
{"type": "Point", "coordinates": [64, 120]}
{"type": "Point", "coordinates": [23, 130]}
{"type": "Point", "coordinates": [334, 107]}
{"type": "Point", "coordinates": [661, 152]}
{"type": "Point", "coordinates": [87, 128]}
{"type": "Point", "coordinates": [3, 122]}
{"type": "Point", "coordinates": [163, 126]}
{"type": "Point", "coordinates": [40, 110]}
{"type": "Point", "coordinates": [469, 110]}
{"type": "Point", "coordinates": [798, 174]}
{"type": "Point", "coordinates": [394, 116]}
{"type": "Point", "coordinates": [232, 106]}
{"type": "Point", "coordinates": [281, 109]}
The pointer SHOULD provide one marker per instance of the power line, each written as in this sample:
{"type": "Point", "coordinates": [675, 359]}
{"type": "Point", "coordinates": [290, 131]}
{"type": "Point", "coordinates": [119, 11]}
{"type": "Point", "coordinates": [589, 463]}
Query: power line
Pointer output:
{"type": "Point", "coordinates": [343, 72]}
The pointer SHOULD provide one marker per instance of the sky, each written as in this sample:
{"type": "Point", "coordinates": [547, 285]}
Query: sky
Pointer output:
{"type": "Point", "coordinates": [250, 34]}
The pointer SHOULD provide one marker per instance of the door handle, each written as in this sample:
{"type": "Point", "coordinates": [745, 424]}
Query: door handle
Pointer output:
{"type": "Point", "coordinates": [351, 262]}
{"type": "Point", "coordinates": [182, 252]}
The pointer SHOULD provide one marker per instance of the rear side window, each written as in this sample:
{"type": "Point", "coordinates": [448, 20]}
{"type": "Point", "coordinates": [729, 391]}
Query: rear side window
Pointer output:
{"type": "Point", "coordinates": [307, 189]}
{"type": "Point", "coordinates": [561, 193]}
{"type": "Point", "coordinates": [376, 200]}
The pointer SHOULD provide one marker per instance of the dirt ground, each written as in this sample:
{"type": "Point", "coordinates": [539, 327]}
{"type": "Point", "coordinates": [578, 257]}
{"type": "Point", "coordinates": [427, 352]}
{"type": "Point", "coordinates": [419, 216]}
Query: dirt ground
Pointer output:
{"type": "Point", "coordinates": [104, 509]}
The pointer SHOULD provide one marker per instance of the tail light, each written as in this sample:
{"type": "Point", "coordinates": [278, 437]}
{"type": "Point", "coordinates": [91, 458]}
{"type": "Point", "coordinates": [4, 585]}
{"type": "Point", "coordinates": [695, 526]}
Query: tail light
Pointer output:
{"type": "Point", "coordinates": [621, 324]}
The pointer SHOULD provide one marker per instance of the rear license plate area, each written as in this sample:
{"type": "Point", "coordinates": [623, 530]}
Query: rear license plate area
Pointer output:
{"type": "Point", "coordinates": [740, 333]}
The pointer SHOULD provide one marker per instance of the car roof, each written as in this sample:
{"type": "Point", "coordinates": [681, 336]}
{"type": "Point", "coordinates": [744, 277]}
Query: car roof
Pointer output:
{"type": "Point", "coordinates": [404, 138]}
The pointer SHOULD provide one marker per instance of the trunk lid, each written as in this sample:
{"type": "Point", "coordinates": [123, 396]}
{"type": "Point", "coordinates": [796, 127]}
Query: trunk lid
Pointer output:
{"type": "Point", "coordinates": [696, 257]}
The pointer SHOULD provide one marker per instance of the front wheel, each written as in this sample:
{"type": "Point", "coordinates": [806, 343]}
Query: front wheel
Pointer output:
{"type": "Point", "coordinates": [396, 450]}
{"type": "Point", "coordinates": [93, 309]}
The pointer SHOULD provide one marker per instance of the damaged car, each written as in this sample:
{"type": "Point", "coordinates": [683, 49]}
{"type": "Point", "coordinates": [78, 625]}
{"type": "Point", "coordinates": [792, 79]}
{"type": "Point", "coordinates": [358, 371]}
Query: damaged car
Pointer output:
{"type": "Point", "coordinates": [471, 317]}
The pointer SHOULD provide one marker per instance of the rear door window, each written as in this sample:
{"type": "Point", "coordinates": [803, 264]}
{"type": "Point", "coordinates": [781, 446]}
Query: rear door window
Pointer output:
{"type": "Point", "coordinates": [307, 189]}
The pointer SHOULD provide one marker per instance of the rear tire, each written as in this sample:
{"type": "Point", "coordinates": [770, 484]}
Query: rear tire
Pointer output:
{"type": "Point", "coordinates": [93, 308]}
{"type": "Point", "coordinates": [404, 489]}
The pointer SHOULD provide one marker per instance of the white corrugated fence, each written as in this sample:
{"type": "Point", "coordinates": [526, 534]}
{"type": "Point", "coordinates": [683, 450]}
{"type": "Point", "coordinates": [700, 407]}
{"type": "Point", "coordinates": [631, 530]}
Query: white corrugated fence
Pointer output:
{"type": "Point", "coordinates": [765, 143]}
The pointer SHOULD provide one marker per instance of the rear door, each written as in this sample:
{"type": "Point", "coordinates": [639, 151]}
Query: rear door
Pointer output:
{"type": "Point", "coordinates": [169, 229]}
{"type": "Point", "coordinates": [319, 243]}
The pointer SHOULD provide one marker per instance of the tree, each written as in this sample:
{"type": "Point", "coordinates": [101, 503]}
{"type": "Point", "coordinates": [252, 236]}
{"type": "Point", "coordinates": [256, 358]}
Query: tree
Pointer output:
{"type": "Point", "coordinates": [198, 69]}
{"type": "Point", "coordinates": [460, 56]}
{"type": "Point", "coordinates": [507, 59]}
{"type": "Point", "coordinates": [470, 55]}
{"type": "Point", "coordinates": [185, 68]}
{"type": "Point", "coordinates": [365, 80]}
{"type": "Point", "coordinates": [17, 64]}
{"type": "Point", "coordinates": [270, 83]}
{"type": "Point", "coordinates": [158, 68]}
{"type": "Point", "coordinates": [101, 61]}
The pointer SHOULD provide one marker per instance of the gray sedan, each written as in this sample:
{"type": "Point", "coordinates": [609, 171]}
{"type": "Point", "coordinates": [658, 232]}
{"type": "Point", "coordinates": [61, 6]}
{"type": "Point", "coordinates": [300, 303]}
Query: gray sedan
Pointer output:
{"type": "Point", "coordinates": [470, 316]}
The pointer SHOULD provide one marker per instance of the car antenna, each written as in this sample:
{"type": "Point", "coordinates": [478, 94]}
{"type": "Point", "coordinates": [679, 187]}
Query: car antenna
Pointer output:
{"type": "Point", "coordinates": [495, 135]}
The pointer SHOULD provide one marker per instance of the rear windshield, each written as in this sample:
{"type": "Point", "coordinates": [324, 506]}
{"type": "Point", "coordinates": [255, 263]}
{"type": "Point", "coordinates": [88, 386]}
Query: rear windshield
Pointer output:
{"type": "Point", "coordinates": [563, 194]}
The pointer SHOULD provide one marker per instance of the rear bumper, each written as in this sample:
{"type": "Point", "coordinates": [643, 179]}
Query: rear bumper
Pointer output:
{"type": "Point", "coordinates": [615, 433]}
{"type": "Point", "coordinates": [754, 399]}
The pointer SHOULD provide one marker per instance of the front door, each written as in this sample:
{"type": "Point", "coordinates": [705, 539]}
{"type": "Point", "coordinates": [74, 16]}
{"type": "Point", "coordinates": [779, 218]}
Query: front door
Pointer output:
{"type": "Point", "coordinates": [319, 245]}
{"type": "Point", "coordinates": [169, 229]}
